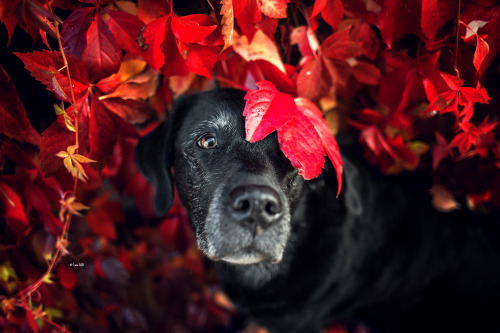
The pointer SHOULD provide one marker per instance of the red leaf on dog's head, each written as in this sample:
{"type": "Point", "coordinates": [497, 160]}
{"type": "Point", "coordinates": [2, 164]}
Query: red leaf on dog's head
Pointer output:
{"type": "Point", "coordinates": [103, 54]}
{"type": "Point", "coordinates": [303, 134]}
{"type": "Point", "coordinates": [300, 143]}
{"type": "Point", "coordinates": [315, 117]}
{"type": "Point", "coordinates": [266, 111]}
{"type": "Point", "coordinates": [273, 8]}
{"type": "Point", "coordinates": [13, 119]}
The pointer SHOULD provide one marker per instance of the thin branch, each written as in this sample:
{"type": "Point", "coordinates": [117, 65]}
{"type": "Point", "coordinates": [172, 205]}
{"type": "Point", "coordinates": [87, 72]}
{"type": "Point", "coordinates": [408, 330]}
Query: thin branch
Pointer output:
{"type": "Point", "coordinates": [457, 39]}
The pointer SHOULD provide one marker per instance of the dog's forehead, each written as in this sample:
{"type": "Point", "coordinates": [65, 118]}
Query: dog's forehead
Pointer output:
{"type": "Point", "coordinates": [215, 115]}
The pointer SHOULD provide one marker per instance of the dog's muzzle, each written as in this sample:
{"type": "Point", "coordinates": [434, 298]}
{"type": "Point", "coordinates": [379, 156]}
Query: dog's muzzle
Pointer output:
{"type": "Point", "coordinates": [247, 223]}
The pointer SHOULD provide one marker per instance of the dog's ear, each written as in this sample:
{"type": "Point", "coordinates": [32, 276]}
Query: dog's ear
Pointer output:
{"type": "Point", "coordinates": [154, 160]}
{"type": "Point", "coordinates": [353, 187]}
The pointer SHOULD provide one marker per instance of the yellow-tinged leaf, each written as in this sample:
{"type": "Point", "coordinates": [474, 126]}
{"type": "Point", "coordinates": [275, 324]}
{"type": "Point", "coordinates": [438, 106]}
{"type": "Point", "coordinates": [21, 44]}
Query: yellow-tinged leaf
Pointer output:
{"type": "Point", "coordinates": [227, 22]}
{"type": "Point", "coordinates": [47, 279]}
{"type": "Point", "coordinates": [82, 159]}
{"type": "Point", "coordinates": [71, 149]}
{"type": "Point", "coordinates": [59, 109]}
{"type": "Point", "coordinates": [261, 48]}
{"type": "Point", "coordinates": [7, 272]}
{"type": "Point", "coordinates": [57, 89]}
{"type": "Point", "coordinates": [73, 206]}
{"type": "Point", "coordinates": [79, 169]}
{"type": "Point", "coordinates": [67, 122]}
{"type": "Point", "coordinates": [131, 68]}
{"type": "Point", "coordinates": [53, 313]}
{"type": "Point", "coordinates": [62, 154]}
{"type": "Point", "coordinates": [68, 164]}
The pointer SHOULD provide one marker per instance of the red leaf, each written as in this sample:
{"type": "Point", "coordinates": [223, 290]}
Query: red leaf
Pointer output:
{"type": "Point", "coordinates": [8, 16]}
{"type": "Point", "coordinates": [103, 215]}
{"type": "Point", "coordinates": [435, 14]}
{"type": "Point", "coordinates": [67, 277]}
{"type": "Point", "coordinates": [102, 132]}
{"type": "Point", "coordinates": [300, 143]}
{"type": "Point", "coordinates": [313, 81]}
{"type": "Point", "coordinates": [44, 66]}
{"type": "Point", "coordinates": [201, 59]}
{"type": "Point", "coordinates": [366, 73]}
{"type": "Point", "coordinates": [174, 61]}
{"type": "Point", "coordinates": [339, 46]}
{"type": "Point", "coordinates": [13, 212]}
{"type": "Point", "coordinates": [314, 115]}
{"type": "Point", "coordinates": [14, 122]}
{"type": "Point", "coordinates": [36, 198]}
{"type": "Point", "coordinates": [273, 8]}
{"type": "Point", "coordinates": [129, 110]}
{"type": "Point", "coordinates": [266, 110]}
{"type": "Point", "coordinates": [276, 76]}
{"type": "Point", "coordinates": [31, 16]}
{"type": "Point", "coordinates": [74, 31]}
{"type": "Point", "coordinates": [154, 34]}
{"type": "Point", "coordinates": [192, 28]}
{"type": "Point", "coordinates": [126, 28]}
{"type": "Point", "coordinates": [331, 11]}
{"type": "Point", "coordinates": [150, 10]}
{"type": "Point", "coordinates": [247, 16]}
{"type": "Point", "coordinates": [399, 18]}
{"type": "Point", "coordinates": [482, 50]}
{"type": "Point", "coordinates": [440, 150]}
{"type": "Point", "coordinates": [103, 55]}
{"type": "Point", "coordinates": [303, 134]}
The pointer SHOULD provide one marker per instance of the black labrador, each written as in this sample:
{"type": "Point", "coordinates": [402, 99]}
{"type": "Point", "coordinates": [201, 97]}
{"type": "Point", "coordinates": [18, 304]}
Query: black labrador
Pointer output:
{"type": "Point", "coordinates": [297, 258]}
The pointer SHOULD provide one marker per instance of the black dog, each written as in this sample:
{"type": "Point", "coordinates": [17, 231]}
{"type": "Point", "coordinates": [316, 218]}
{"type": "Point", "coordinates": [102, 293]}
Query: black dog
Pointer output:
{"type": "Point", "coordinates": [294, 256]}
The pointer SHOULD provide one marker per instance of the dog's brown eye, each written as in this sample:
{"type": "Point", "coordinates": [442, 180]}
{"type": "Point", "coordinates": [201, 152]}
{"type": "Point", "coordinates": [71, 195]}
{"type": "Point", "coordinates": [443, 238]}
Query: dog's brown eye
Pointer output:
{"type": "Point", "coordinates": [208, 141]}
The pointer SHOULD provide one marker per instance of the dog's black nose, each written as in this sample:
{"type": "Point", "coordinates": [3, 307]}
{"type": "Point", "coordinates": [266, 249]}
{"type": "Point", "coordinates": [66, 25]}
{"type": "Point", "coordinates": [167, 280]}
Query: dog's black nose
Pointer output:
{"type": "Point", "coordinates": [255, 204]}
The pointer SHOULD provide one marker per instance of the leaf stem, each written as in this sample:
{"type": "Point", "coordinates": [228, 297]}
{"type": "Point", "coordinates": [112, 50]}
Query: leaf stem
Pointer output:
{"type": "Point", "coordinates": [455, 65]}
{"type": "Point", "coordinates": [26, 293]}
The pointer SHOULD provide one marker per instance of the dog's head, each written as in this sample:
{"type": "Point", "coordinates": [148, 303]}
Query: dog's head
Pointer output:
{"type": "Point", "coordinates": [239, 195]}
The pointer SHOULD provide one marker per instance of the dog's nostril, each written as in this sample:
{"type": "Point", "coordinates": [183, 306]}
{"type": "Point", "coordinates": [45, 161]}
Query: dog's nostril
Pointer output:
{"type": "Point", "coordinates": [270, 208]}
{"type": "Point", "coordinates": [241, 205]}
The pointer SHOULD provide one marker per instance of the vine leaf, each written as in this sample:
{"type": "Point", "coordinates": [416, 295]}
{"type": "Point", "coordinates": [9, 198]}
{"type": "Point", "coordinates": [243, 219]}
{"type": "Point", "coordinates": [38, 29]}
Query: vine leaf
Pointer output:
{"type": "Point", "coordinates": [303, 134]}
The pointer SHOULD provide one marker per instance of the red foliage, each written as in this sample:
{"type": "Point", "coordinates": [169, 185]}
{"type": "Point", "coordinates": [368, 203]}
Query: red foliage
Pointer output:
{"type": "Point", "coordinates": [416, 82]}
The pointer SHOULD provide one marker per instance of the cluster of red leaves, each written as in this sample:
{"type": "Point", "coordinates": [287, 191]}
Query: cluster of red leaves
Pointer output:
{"type": "Point", "coordinates": [415, 81]}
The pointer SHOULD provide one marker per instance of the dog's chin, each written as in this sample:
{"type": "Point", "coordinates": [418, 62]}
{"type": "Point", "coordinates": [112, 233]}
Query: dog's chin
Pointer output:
{"type": "Point", "coordinates": [246, 257]}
